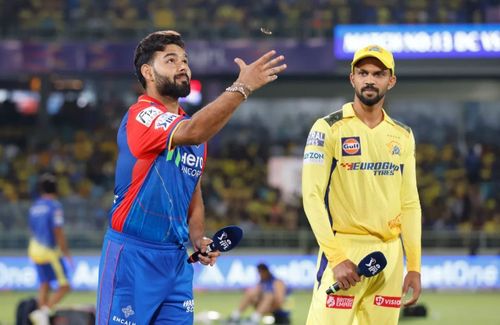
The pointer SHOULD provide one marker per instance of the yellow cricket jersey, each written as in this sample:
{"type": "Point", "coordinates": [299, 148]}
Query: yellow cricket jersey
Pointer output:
{"type": "Point", "coordinates": [357, 180]}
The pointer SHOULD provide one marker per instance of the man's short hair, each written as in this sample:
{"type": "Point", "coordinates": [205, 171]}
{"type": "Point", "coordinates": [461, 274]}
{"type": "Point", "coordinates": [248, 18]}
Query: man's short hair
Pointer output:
{"type": "Point", "coordinates": [47, 184]}
{"type": "Point", "coordinates": [150, 44]}
{"type": "Point", "coordinates": [262, 267]}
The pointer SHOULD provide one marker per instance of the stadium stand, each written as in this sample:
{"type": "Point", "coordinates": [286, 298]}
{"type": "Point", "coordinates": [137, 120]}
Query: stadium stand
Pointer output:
{"type": "Point", "coordinates": [458, 164]}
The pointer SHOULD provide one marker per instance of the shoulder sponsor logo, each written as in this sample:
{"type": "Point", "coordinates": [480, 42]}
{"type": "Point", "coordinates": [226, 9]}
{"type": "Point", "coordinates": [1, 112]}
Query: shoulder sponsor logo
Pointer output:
{"type": "Point", "coordinates": [339, 302]}
{"type": "Point", "coordinates": [351, 146]}
{"type": "Point", "coordinates": [385, 301]}
{"type": "Point", "coordinates": [314, 157]}
{"type": "Point", "coordinates": [147, 115]}
{"type": "Point", "coordinates": [316, 138]}
{"type": "Point", "coordinates": [165, 120]}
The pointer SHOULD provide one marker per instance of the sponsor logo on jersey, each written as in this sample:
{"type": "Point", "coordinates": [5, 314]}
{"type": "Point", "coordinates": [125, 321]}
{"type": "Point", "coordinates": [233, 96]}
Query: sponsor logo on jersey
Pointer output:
{"type": "Point", "coordinates": [383, 168]}
{"type": "Point", "coordinates": [122, 321]}
{"type": "Point", "coordinates": [339, 302]}
{"type": "Point", "coordinates": [396, 222]}
{"type": "Point", "coordinates": [147, 115]}
{"type": "Point", "coordinates": [385, 301]}
{"type": "Point", "coordinates": [316, 138]}
{"type": "Point", "coordinates": [189, 163]}
{"type": "Point", "coordinates": [189, 305]}
{"type": "Point", "coordinates": [128, 311]}
{"type": "Point", "coordinates": [314, 157]}
{"type": "Point", "coordinates": [165, 120]}
{"type": "Point", "coordinates": [351, 146]}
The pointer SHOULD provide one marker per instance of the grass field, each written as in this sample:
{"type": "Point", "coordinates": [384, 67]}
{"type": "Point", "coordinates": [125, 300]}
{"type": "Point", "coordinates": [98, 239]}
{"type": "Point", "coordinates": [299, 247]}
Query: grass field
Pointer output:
{"type": "Point", "coordinates": [443, 308]}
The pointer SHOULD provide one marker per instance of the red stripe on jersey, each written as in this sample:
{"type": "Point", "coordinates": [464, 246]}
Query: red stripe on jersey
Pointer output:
{"type": "Point", "coordinates": [139, 173]}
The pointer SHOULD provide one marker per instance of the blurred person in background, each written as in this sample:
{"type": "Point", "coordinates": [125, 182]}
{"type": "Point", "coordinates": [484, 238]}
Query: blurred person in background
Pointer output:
{"type": "Point", "coordinates": [360, 195]}
{"type": "Point", "coordinates": [46, 244]}
{"type": "Point", "coordinates": [144, 277]}
{"type": "Point", "coordinates": [267, 297]}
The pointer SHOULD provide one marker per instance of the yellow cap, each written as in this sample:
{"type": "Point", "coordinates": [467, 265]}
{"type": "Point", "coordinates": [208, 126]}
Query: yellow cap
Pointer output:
{"type": "Point", "coordinates": [377, 52]}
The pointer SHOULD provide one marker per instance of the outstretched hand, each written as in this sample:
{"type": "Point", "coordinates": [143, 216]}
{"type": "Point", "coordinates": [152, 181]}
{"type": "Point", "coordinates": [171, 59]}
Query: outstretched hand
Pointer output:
{"type": "Point", "coordinates": [260, 72]}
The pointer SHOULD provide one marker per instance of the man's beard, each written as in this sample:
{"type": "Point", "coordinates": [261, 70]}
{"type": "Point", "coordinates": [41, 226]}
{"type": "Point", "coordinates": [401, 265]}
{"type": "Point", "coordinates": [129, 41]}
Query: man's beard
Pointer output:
{"type": "Point", "coordinates": [172, 89]}
{"type": "Point", "coordinates": [369, 101]}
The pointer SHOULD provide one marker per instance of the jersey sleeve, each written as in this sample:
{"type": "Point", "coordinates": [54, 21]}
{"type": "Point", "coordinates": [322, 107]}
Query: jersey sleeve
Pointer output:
{"type": "Point", "coordinates": [149, 130]}
{"type": "Point", "coordinates": [411, 215]}
{"type": "Point", "coordinates": [58, 215]}
{"type": "Point", "coordinates": [316, 172]}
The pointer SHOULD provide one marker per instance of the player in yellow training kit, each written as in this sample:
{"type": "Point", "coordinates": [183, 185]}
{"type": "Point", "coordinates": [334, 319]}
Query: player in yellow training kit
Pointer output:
{"type": "Point", "coordinates": [360, 195]}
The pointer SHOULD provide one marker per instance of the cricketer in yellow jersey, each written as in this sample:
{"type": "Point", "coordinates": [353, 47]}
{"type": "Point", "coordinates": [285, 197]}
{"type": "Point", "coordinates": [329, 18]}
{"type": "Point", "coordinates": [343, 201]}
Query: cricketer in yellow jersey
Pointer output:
{"type": "Point", "coordinates": [360, 195]}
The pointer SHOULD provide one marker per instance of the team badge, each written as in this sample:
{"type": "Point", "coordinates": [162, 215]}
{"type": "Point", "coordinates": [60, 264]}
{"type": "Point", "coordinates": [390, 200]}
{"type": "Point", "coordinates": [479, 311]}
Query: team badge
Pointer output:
{"type": "Point", "coordinates": [351, 146]}
{"type": "Point", "coordinates": [394, 148]}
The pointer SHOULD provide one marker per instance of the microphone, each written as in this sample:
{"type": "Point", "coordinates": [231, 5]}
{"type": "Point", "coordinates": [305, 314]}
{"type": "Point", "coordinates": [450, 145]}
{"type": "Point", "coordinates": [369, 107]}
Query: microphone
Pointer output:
{"type": "Point", "coordinates": [372, 264]}
{"type": "Point", "coordinates": [224, 240]}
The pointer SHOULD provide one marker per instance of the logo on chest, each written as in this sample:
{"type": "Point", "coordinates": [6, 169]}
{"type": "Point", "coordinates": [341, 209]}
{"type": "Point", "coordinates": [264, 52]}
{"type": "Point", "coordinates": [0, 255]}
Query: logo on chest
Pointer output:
{"type": "Point", "coordinates": [351, 146]}
{"type": "Point", "coordinates": [189, 163]}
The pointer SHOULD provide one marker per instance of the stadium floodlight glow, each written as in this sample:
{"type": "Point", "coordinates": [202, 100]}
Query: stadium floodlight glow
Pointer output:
{"type": "Point", "coordinates": [421, 41]}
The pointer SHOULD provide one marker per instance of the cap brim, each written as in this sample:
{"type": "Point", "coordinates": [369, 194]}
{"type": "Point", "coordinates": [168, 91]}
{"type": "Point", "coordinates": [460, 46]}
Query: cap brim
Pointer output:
{"type": "Point", "coordinates": [368, 55]}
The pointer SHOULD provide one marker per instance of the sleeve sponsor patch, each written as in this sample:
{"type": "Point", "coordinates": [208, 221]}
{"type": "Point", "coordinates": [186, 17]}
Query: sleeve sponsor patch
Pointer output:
{"type": "Point", "coordinates": [165, 120]}
{"type": "Point", "coordinates": [147, 115]}
{"type": "Point", "coordinates": [314, 157]}
{"type": "Point", "coordinates": [316, 138]}
{"type": "Point", "coordinates": [58, 217]}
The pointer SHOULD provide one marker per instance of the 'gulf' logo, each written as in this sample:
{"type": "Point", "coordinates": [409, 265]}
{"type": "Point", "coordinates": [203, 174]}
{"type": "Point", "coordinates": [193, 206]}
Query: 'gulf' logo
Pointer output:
{"type": "Point", "coordinates": [351, 146]}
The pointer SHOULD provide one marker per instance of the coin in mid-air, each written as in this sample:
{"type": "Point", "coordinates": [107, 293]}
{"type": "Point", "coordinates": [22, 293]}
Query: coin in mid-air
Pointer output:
{"type": "Point", "coordinates": [266, 31]}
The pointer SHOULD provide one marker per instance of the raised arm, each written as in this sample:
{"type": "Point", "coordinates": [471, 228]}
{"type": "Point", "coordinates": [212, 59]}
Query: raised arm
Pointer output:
{"type": "Point", "coordinates": [209, 120]}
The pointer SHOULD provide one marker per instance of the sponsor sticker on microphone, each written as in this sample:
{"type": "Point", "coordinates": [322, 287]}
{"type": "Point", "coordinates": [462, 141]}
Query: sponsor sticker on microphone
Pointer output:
{"type": "Point", "coordinates": [339, 302]}
{"type": "Point", "coordinates": [386, 301]}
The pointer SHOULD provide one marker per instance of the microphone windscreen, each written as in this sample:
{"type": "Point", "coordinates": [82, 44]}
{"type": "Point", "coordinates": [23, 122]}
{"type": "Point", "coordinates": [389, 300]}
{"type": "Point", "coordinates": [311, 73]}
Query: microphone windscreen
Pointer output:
{"type": "Point", "coordinates": [372, 264]}
{"type": "Point", "coordinates": [227, 238]}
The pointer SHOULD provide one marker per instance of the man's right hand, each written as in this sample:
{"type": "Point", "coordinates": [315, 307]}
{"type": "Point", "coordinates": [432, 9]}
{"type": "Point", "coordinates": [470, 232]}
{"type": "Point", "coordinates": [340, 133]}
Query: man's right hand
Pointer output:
{"type": "Point", "coordinates": [260, 72]}
{"type": "Point", "coordinates": [346, 274]}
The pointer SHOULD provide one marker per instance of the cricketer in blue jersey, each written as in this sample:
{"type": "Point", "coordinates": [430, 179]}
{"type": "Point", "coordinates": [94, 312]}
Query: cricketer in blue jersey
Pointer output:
{"type": "Point", "coordinates": [46, 247]}
{"type": "Point", "coordinates": [268, 297]}
{"type": "Point", "coordinates": [144, 277]}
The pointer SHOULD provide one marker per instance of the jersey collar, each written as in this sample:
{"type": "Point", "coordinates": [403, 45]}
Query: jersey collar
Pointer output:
{"type": "Point", "coordinates": [149, 99]}
{"type": "Point", "coordinates": [348, 111]}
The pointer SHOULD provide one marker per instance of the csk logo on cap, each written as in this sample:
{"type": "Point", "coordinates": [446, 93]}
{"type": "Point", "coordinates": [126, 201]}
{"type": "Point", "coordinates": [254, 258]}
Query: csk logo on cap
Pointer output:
{"type": "Point", "coordinates": [374, 51]}
{"type": "Point", "coordinates": [351, 146]}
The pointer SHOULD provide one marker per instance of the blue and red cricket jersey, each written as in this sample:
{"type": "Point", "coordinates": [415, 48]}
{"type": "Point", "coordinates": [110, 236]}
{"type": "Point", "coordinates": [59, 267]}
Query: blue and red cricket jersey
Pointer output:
{"type": "Point", "coordinates": [154, 182]}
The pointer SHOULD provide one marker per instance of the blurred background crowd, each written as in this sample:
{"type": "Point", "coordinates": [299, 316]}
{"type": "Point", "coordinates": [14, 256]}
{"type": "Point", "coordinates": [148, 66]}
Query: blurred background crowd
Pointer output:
{"type": "Point", "coordinates": [458, 152]}
{"type": "Point", "coordinates": [122, 19]}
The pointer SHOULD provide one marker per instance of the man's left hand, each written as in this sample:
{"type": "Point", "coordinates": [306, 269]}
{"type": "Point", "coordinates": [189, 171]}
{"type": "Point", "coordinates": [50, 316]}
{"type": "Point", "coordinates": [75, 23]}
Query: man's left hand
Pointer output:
{"type": "Point", "coordinates": [206, 258]}
{"type": "Point", "coordinates": [412, 280]}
